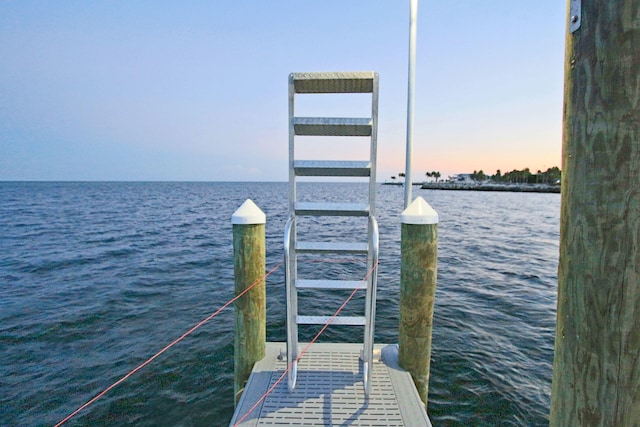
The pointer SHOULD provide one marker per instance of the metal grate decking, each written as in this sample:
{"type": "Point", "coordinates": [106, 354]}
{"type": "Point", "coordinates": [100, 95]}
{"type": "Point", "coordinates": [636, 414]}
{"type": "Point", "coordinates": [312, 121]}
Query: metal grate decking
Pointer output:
{"type": "Point", "coordinates": [329, 390]}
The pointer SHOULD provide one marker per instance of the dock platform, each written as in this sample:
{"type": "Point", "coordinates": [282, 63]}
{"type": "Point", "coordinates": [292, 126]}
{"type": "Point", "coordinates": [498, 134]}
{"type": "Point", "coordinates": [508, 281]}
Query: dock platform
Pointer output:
{"type": "Point", "coordinates": [330, 390]}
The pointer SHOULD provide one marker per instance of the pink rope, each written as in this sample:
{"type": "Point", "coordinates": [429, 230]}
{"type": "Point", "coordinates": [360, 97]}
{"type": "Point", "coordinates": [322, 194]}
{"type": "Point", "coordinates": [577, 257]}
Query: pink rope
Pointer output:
{"type": "Point", "coordinates": [174, 342]}
{"type": "Point", "coordinates": [326, 325]}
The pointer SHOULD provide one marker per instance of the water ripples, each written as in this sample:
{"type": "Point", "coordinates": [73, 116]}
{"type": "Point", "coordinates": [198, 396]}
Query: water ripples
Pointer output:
{"type": "Point", "coordinates": [96, 277]}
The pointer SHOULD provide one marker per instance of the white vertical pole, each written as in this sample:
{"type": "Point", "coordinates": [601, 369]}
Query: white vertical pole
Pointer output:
{"type": "Point", "coordinates": [410, 99]}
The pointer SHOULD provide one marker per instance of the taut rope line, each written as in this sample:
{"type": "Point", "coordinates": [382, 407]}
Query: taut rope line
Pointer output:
{"type": "Point", "coordinates": [167, 347]}
{"type": "Point", "coordinates": [264, 396]}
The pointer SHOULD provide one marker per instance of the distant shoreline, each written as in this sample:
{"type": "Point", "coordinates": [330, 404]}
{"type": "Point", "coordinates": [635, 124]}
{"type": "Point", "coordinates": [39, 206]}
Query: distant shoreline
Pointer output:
{"type": "Point", "coordinates": [513, 188]}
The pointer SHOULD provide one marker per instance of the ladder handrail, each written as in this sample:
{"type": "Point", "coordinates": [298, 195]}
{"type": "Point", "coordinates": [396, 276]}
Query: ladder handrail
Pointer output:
{"type": "Point", "coordinates": [292, 299]}
{"type": "Point", "coordinates": [370, 308]}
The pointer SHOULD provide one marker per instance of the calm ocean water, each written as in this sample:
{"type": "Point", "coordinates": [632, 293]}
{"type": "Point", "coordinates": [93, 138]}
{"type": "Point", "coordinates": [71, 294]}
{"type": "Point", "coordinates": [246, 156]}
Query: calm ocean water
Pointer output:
{"type": "Point", "coordinates": [97, 277]}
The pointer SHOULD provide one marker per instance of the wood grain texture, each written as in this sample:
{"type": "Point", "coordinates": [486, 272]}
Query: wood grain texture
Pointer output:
{"type": "Point", "coordinates": [249, 261]}
{"type": "Point", "coordinates": [418, 277]}
{"type": "Point", "coordinates": [596, 372]}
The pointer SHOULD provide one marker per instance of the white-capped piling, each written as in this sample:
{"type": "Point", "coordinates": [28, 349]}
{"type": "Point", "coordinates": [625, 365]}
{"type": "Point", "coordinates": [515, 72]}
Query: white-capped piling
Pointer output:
{"type": "Point", "coordinates": [418, 276]}
{"type": "Point", "coordinates": [249, 261]}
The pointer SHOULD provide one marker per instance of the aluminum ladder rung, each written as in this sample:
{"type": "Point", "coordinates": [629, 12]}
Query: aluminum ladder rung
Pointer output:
{"type": "Point", "coordinates": [332, 247]}
{"type": "Point", "coordinates": [335, 82]}
{"type": "Point", "coordinates": [332, 126]}
{"type": "Point", "coordinates": [331, 284]}
{"type": "Point", "coordinates": [332, 168]}
{"type": "Point", "coordinates": [331, 209]}
{"type": "Point", "coordinates": [338, 320]}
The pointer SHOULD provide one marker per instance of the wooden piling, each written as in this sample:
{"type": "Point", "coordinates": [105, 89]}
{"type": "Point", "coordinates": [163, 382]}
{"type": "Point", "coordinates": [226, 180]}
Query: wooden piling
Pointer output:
{"type": "Point", "coordinates": [418, 276]}
{"type": "Point", "coordinates": [596, 372]}
{"type": "Point", "coordinates": [249, 261]}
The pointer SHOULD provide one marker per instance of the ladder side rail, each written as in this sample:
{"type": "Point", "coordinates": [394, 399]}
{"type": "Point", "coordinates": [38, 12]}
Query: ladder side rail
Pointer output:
{"type": "Point", "coordinates": [290, 271]}
{"type": "Point", "coordinates": [373, 242]}
{"type": "Point", "coordinates": [374, 145]}
{"type": "Point", "coordinates": [291, 258]}
{"type": "Point", "coordinates": [292, 135]}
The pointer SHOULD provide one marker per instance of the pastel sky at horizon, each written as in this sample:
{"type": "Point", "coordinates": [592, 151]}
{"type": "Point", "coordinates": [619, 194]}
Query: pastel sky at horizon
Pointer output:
{"type": "Point", "coordinates": [197, 90]}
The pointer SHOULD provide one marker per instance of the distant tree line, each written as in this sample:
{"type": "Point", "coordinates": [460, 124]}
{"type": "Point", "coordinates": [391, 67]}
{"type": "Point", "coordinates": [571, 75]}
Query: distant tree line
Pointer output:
{"type": "Point", "coordinates": [524, 176]}
{"type": "Point", "coordinates": [434, 174]}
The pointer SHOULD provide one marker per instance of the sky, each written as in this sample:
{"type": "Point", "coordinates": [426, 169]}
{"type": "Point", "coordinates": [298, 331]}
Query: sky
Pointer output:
{"type": "Point", "coordinates": [197, 90]}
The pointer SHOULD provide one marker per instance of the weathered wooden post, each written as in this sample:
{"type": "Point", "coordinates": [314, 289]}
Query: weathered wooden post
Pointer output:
{"type": "Point", "coordinates": [418, 274]}
{"type": "Point", "coordinates": [249, 261]}
{"type": "Point", "coordinates": [596, 371]}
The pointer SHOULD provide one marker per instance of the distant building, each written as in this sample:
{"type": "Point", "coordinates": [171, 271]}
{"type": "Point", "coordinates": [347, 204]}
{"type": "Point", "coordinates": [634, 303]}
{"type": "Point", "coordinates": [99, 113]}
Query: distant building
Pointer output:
{"type": "Point", "coordinates": [463, 177]}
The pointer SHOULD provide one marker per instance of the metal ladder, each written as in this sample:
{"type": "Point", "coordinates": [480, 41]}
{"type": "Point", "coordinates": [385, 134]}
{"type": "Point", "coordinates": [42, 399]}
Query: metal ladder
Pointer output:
{"type": "Point", "coordinates": [331, 83]}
